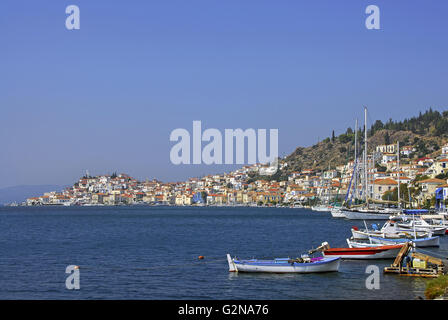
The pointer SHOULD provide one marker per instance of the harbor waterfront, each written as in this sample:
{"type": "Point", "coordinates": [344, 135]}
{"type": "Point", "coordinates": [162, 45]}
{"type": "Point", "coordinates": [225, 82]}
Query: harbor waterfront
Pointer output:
{"type": "Point", "coordinates": [151, 252]}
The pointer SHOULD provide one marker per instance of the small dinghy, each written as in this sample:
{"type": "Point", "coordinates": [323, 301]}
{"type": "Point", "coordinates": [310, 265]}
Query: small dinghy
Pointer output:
{"type": "Point", "coordinates": [304, 264]}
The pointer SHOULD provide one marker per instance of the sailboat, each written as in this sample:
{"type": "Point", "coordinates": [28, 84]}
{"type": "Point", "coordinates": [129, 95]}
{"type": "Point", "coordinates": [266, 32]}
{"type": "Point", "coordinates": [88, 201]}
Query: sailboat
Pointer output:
{"type": "Point", "coordinates": [325, 206]}
{"type": "Point", "coordinates": [339, 212]}
{"type": "Point", "coordinates": [365, 212]}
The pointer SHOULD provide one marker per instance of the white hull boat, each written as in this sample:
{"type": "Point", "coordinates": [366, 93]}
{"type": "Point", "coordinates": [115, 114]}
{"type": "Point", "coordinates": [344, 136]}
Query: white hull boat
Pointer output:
{"type": "Point", "coordinates": [434, 231]}
{"type": "Point", "coordinates": [363, 235]}
{"type": "Point", "coordinates": [390, 229]}
{"type": "Point", "coordinates": [423, 226]}
{"type": "Point", "coordinates": [284, 265]}
{"type": "Point", "coordinates": [421, 243]}
{"type": "Point", "coordinates": [337, 213]}
{"type": "Point", "coordinates": [321, 208]}
{"type": "Point", "coordinates": [352, 243]}
{"type": "Point", "coordinates": [365, 215]}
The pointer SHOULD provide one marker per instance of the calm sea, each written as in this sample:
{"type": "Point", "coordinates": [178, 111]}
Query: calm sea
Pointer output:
{"type": "Point", "coordinates": [152, 253]}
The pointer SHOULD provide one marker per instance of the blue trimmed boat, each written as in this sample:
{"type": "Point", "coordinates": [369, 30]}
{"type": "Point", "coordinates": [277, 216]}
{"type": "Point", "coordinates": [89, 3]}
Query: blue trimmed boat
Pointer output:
{"type": "Point", "coordinates": [285, 265]}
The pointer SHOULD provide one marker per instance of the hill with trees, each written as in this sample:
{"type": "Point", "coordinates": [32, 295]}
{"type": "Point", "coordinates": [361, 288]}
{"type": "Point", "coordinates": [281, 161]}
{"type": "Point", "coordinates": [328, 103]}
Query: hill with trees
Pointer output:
{"type": "Point", "coordinates": [427, 132]}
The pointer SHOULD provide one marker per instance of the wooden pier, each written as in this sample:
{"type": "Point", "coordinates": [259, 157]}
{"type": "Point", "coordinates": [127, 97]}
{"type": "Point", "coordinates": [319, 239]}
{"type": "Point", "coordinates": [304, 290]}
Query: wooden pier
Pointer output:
{"type": "Point", "coordinates": [422, 264]}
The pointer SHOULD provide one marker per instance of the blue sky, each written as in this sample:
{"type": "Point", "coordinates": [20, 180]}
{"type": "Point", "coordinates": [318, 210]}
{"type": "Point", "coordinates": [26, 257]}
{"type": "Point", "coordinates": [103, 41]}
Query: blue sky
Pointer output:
{"type": "Point", "coordinates": [106, 97]}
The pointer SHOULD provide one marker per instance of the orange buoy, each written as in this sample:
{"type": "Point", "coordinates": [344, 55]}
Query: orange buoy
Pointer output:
{"type": "Point", "coordinates": [201, 257]}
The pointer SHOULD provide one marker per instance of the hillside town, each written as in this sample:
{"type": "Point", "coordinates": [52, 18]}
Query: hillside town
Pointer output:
{"type": "Point", "coordinates": [424, 181]}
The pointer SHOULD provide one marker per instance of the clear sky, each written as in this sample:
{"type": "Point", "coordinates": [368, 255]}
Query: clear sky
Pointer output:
{"type": "Point", "coordinates": [106, 97]}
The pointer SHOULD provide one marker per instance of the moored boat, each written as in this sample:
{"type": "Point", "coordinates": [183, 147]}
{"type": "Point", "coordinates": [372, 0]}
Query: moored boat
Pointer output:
{"type": "Point", "coordinates": [421, 242]}
{"type": "Point", "coordinates": [285, 265]}
{"type": "Point", "coordinates": [390, 229]}
{"type": "Point", "coordinates": [422, 225]}
{"type": "Point", "coordinates": [364, 214]}
{"type": "Point", "coordinates": [321, 208]}
{"type": "Point", "coordinates": [337, 213]}
{"type": "Point", "coordinates": [372, 252]}
{"type": "Point", "coordinates": [352, 243]}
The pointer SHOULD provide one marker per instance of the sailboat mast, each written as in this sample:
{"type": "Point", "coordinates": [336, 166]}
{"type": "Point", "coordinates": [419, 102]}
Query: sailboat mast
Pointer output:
{"type": "Point", "coordinates": [356, 158]}
{"type": "Point", "coordinates": [365, 154]}
{"type": "Point", "coordinates": [398, 166]}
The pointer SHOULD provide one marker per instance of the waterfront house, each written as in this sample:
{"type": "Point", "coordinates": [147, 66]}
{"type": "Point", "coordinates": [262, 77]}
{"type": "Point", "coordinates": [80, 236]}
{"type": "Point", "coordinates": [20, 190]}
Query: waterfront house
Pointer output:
{"type": "Point", "coordinates": [445, 150]}
{"type": "Point", "coordinates": [389, 148]}
{"type": "Point", "coordinates": [380, 186]}
{"type": "Point", "coordinates": [407, 150]}
{"type": "Point", "coordinates": [388, 157]}
{"type": "Point", "coordinates": [425, 161]}
{"type": "Point", "coordinates": [429, 187]}
{"type": "Point", "coordinates": [438, 167]}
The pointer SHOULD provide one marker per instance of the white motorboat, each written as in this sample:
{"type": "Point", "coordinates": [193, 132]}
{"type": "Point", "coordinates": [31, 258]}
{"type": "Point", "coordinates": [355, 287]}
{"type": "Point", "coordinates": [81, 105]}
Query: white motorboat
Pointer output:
{"type": "Point", "coordinates": [337, 213]}
{"type": "Point", "coordinates": [321, 208]}
{"type": "Point", "coordinates": [389, 230]}
{"type": "Point", "coordinates": [366, 214]}
{"type": "Point", "coordinates": [422, 225]}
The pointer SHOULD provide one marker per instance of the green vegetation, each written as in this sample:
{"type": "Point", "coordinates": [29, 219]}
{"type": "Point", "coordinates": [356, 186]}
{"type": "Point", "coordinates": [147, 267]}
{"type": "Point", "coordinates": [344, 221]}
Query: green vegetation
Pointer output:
{"type": "Point", "coordinates": [431, 123]}
{"type": "Point", "coordinates": [421, 178]}
{"type": "Point", "coordinates": [278, 176]}
{"type": "Point", "coordinates": [436, 287]}
{"type": "Point", "coordinates": [392, 195]}
{"type": "Point", "coordinates": [427, 132]}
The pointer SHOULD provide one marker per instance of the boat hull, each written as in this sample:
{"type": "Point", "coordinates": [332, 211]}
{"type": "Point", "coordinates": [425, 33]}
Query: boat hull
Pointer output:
{"type": "Point", "coordinates": [374, 252]}
{"type": "Point", "coordinates": [359, 215]}
{"type": "Point", "coordinates": [355, 244]}
{"type": "Point", "coordinates": [405, 234]}
{"type": "Point", "coordinates": [321, 208]}
{"type": "Point", "coordinates": [434, 231]}
{"type": "Point", "coordinates": [337, 213]}
{"type": "Point", "coordinates": [424, 242]}
{"type": "Point", "coordinates": [283, 266]}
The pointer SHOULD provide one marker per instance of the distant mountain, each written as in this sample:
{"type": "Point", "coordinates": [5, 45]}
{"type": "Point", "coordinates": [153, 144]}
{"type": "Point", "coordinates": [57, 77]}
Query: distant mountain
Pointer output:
{"type": "Point", "coordinates": [21, 193]}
